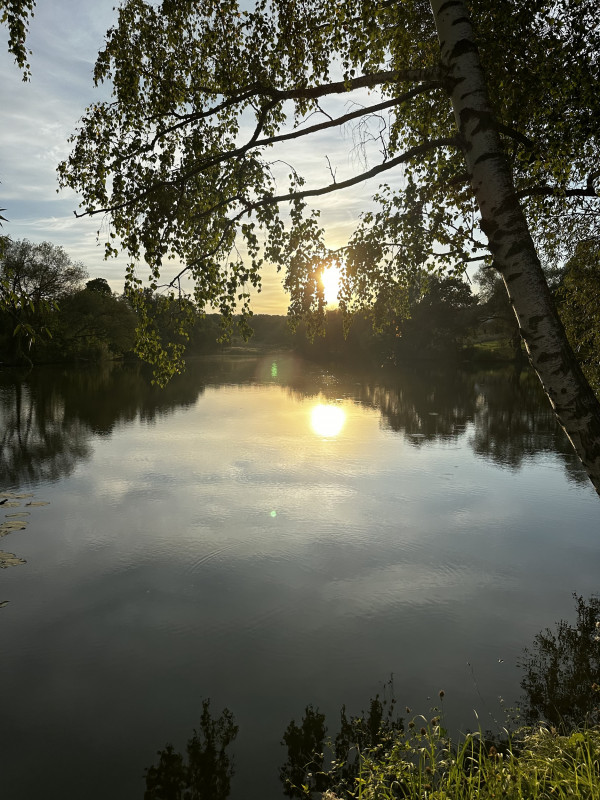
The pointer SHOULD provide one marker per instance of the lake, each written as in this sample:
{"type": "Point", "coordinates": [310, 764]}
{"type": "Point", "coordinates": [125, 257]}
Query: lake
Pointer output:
{"type": "Point", "coordinates": [269, 534]}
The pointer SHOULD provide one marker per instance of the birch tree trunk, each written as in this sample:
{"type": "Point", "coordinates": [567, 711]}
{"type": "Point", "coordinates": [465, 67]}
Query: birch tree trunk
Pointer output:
{"type": "Point", "coordinates": [509, 239]}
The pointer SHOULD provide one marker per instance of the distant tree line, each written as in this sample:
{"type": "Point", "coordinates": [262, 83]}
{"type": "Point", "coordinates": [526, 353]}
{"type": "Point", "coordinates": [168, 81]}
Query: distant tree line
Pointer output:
{"type": "Point", "coordinates": [50, 313]}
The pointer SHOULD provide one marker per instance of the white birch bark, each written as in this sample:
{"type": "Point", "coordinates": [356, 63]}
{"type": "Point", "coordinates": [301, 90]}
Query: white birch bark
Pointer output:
{"type": "Point", "coordinates": [509, 239]}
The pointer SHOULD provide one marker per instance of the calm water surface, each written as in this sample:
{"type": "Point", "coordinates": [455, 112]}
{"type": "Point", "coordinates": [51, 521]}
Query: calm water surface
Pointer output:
{"type": "Point", "coordinates": [223, 539]}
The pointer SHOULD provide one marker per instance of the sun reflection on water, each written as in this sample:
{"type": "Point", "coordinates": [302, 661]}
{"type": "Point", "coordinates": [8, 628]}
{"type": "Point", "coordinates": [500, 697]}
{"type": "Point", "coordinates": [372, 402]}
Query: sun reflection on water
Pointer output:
{"type": "Point", "coordinates": [327, 420]}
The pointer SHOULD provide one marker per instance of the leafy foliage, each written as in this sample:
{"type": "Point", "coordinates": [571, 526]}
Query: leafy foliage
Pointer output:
{"type": "Point", "coordinates": [33, 279]}
{"type": "Point", "coordinates": [99, 285]}
{"type": "Point", "coordinates": [39, 273]}
{"type": "Point", "coordinates": [540, 764]}
{"type": "Point", "coordinates": [438, 320]}
{"type": "Point", "coordinates": [497, 316]}
{"type": "Point", "coordinates": [46, 315]}
{"type": "Point", "coordinates": [90, 324]}
{"type": "Point", "coordinates": [579, 306]}
{"type": "Point", "coordinates": [15, 14]}
{"type": "Point", "coordinates": [188, 159]}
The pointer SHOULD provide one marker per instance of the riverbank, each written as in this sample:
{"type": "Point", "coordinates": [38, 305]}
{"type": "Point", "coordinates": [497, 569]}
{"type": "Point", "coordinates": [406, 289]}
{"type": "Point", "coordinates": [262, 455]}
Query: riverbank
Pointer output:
{"type": "Point", "coordinates": [535, 763]}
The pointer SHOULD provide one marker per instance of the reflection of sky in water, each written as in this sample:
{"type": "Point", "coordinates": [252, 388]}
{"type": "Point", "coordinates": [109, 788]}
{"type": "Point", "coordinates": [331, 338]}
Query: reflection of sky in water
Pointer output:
{"type": "Point", "coordinates": [230, 551]}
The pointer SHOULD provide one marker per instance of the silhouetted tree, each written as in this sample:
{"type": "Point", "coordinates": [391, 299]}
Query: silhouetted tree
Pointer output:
{"type": "Point", "coordinates": [495, 313]}
{"type": "Point", "coordinates": [34, 278]}
{"type": "Point", "coordinates": [437, 320]}
{"type": "Point", "coordinates": [89, 324]}
{"type": "Point", "coordinates": [99, 285]}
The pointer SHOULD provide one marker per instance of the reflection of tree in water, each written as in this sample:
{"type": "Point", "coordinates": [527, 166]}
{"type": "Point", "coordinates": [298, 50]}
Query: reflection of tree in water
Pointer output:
{"type": "Point", "coordinates": [561, 683]}
{"type": "Point", "coordinates": [562, 671]}
{"type": "Point", "coordinates": [37, 441]}
{"type": "Point", "coordinates": [307, 769]}
{"type": "Point", "coordinates": [424, 406]}
{"type": "Point", "coordinates": [207, 772]}
{"type": "Point", "coordinates": [47, 419]}
{"type": "Point", "coordinates": [113, 394]}
{"type": "Point", "coordinates": [513, 422]}
{"type": "Point", "coordinates": [505, 411]}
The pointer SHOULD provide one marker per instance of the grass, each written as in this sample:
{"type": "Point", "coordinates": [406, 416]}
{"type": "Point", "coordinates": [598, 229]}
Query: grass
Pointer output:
{"type": "Point", "coordinates": [492, 350]}
{"type": "Point", "coordinates": [535, 764]}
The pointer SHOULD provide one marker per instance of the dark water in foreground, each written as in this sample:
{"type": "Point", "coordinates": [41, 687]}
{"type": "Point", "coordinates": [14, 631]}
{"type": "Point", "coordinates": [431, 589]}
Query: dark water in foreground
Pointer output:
{"type": "Point", "coordinates": [223, 539]}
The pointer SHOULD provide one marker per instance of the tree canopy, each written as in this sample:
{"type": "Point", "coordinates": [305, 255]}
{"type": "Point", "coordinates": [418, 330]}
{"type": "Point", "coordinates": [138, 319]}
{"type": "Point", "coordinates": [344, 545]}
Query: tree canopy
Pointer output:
{"type": "Point", "coordinates": [195, 157]}
{"type": "Point", "coordinates": [202, 94]}
{"type": "Point", "coordinates": [39, 273]}
{"type": "Point", "coordinates": [33, 279]}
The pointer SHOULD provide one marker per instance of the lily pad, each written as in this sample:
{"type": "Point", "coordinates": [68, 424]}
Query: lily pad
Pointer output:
{"type": "Point", "coordinates": [39, 503]}
{"type": "Point", "coordinates": [4, 603]}
{"type": "Point", "coordinates": [15, 495]}
{"type": "Point", "coordinates": [12, 525]}
{"type": "Point", "coordinates": [19, 514]}
{"type": "Point", "coordinates": [11, 504]}
{"type": "Point", "coordinates": [9, 560]}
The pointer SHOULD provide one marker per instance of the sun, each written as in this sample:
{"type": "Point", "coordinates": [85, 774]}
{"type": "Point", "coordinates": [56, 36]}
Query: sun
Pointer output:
{"type": "Point", "coordinates": [327, 420]}
{"type": "Point", "coordinates": [331, 277]}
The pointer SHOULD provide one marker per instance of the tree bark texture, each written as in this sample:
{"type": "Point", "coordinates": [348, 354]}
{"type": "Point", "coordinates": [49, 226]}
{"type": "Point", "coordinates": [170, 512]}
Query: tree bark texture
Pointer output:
{"type": "Point", "coordinates": [509, 239]}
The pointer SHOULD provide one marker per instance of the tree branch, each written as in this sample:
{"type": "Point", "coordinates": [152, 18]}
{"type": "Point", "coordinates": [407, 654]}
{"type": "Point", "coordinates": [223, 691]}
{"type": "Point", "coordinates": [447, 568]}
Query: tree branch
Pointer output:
{"type": "Point", "coordinates": [301, 195]}
{"type": "Point", "coordinates": [368, 81]}
{"type": "Point", "coordinates": [255, 142]}
{"type": "Point", "coordinates": [267, 200]}
{"type": "Point", "coordinates": [431, 75]}
{"type": "Point", "coordinates": [515, 134]}
{"type": "Point", "coordinates": [557, 191]}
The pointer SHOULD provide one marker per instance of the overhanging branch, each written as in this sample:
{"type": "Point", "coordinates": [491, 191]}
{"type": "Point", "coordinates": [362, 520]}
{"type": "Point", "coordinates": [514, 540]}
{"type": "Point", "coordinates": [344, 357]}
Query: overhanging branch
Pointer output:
{"type": "Point", "coordinates": [557, 191]}
{"type": "Point", "coordinates": [256, 90]}
{"type": "Point", "coordinates": [336, 122]}
{"type": "Point", "coordinates": [255, 142]}
{"type": "Point", "coordinates": [452, 141]}
{"type": "Point", "coordinates": [267, 200]}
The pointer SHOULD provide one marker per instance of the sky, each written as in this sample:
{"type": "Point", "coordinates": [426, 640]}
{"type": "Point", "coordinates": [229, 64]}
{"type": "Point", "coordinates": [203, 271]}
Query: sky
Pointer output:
{"type": "Point", "coordinates": [39, 116]}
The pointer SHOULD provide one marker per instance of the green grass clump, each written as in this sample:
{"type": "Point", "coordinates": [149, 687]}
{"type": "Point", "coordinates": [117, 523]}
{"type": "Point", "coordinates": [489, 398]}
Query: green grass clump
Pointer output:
{"type": "Point", "coordinates": [534, 764]}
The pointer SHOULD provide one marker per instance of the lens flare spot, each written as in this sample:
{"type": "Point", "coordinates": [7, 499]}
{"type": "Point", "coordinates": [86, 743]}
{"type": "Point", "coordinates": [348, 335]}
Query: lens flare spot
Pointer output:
{"type": "Point", "coordinates": [327, 420]}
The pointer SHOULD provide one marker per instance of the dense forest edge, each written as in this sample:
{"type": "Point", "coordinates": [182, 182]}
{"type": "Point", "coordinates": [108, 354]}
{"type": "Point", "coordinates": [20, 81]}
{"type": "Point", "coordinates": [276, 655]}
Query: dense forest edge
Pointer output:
{"type": "Point", "coordinates": [52, 314]}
